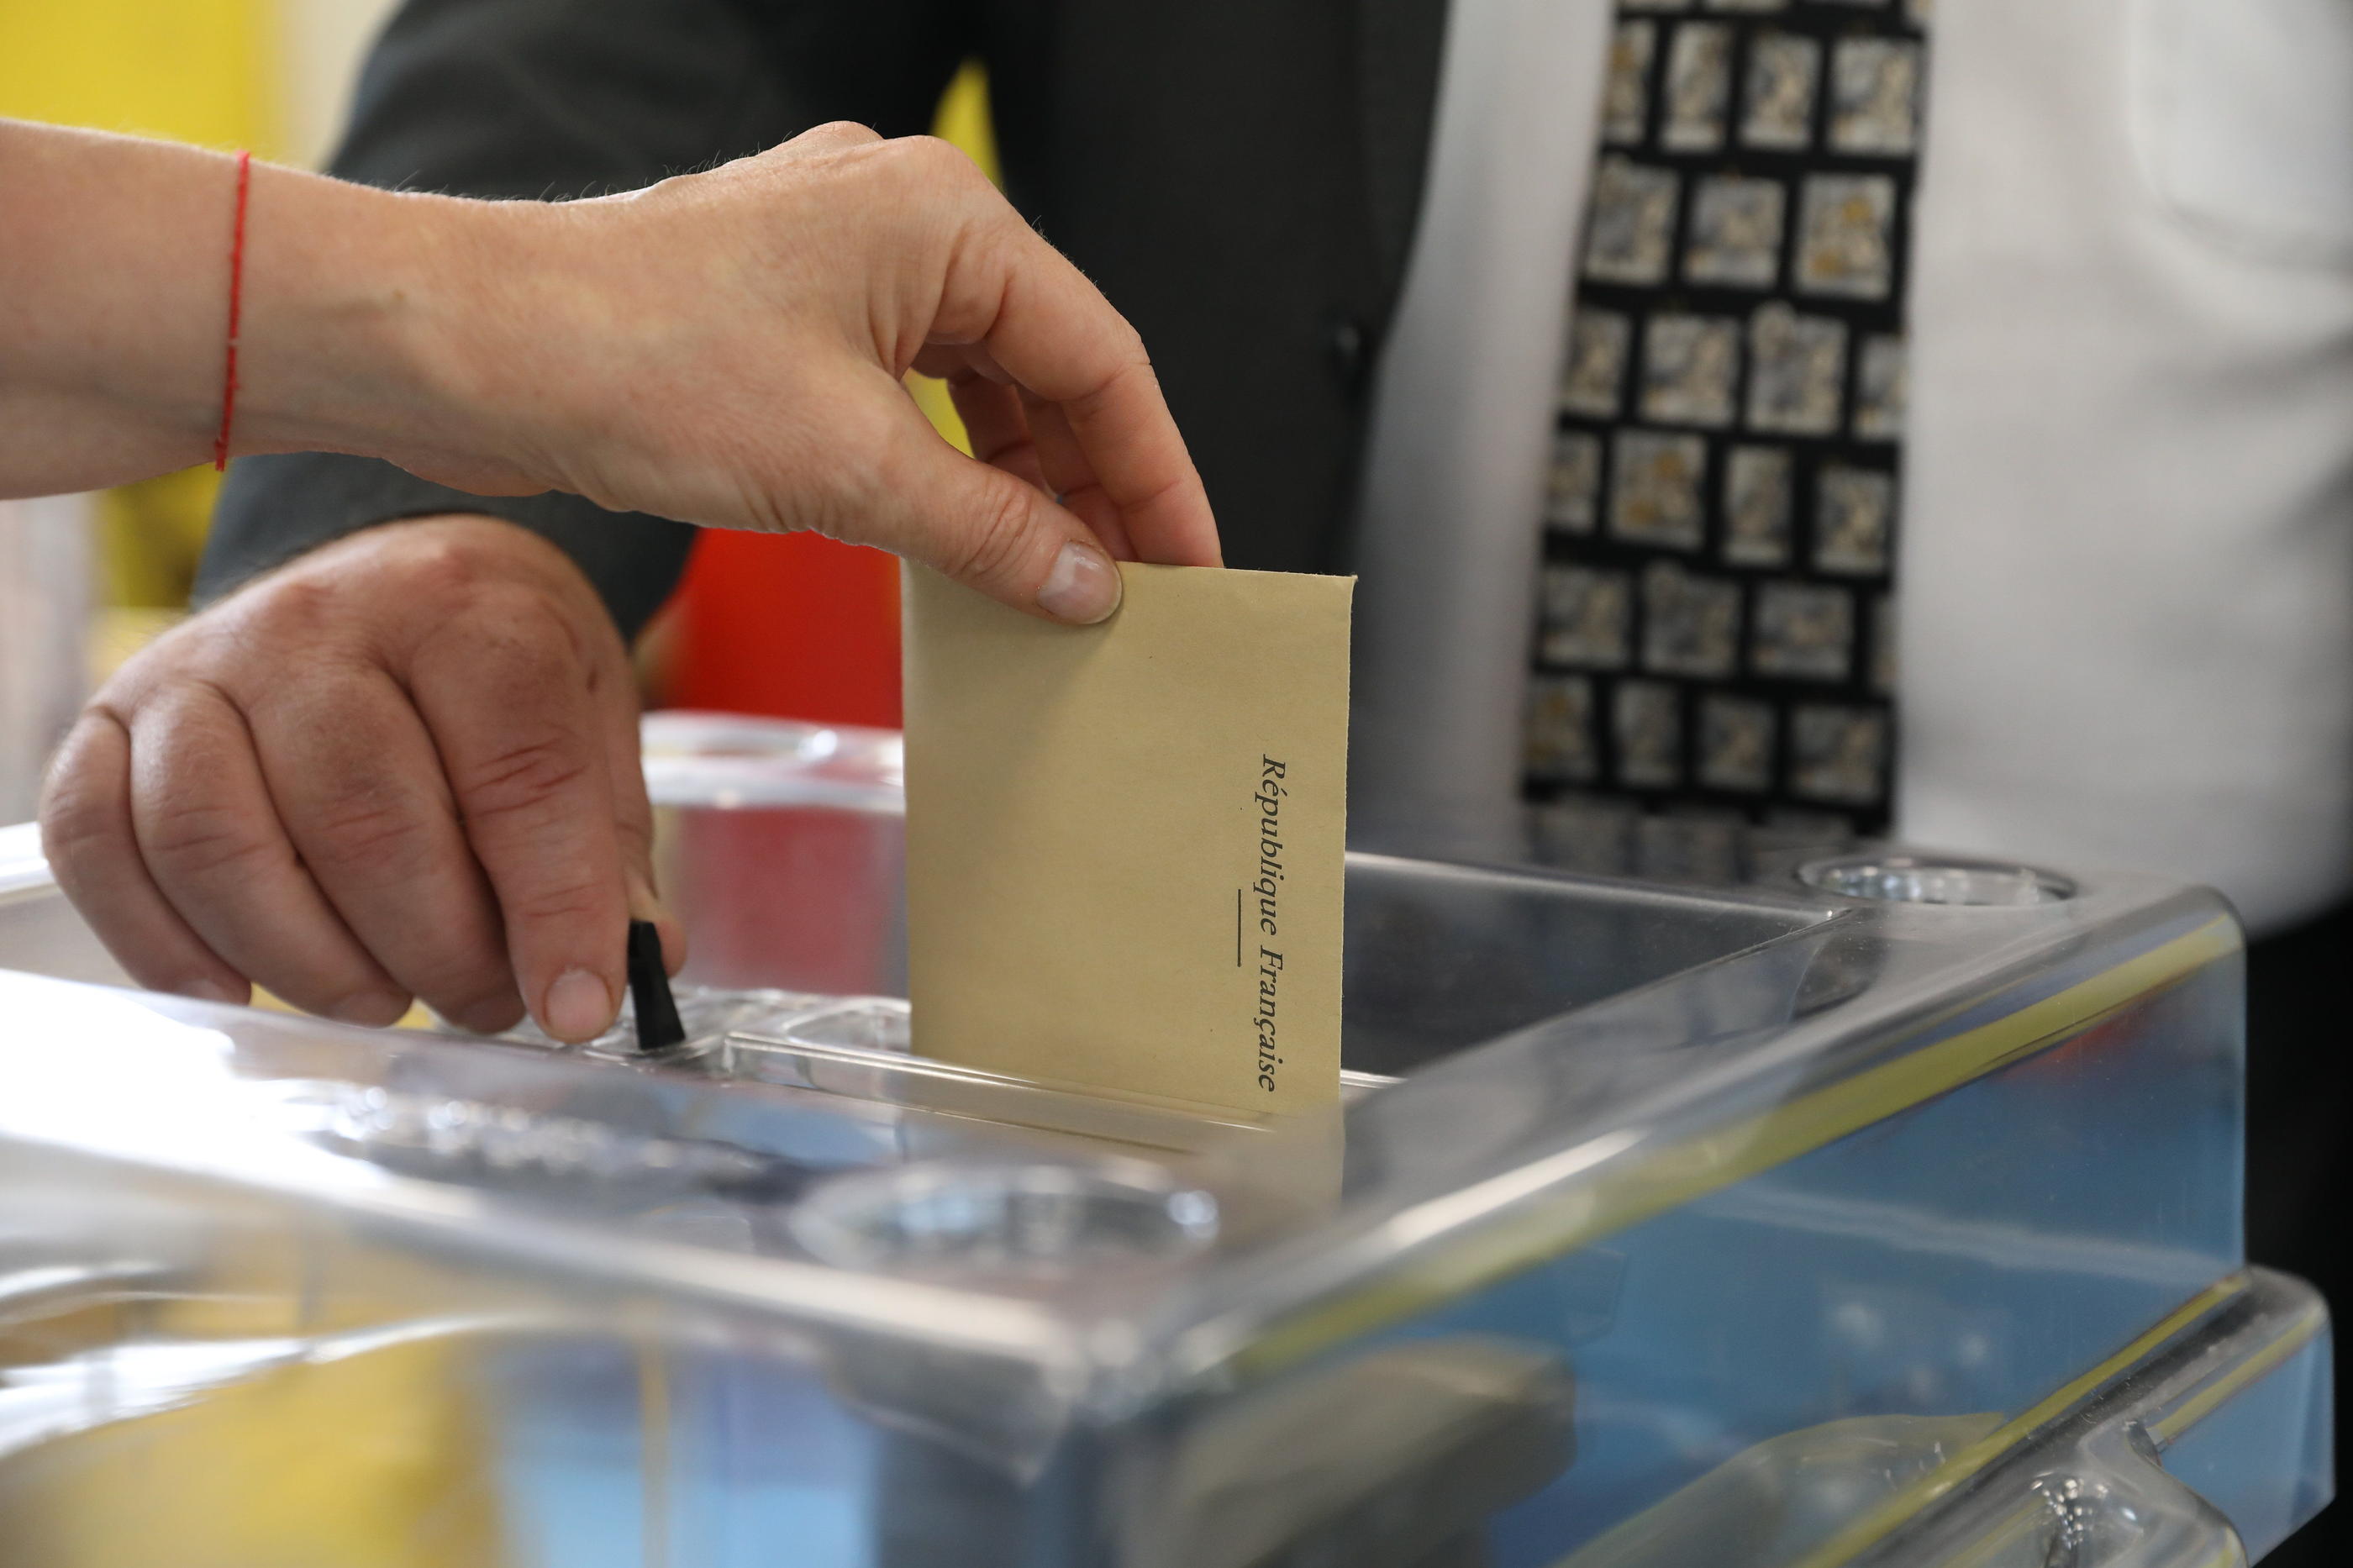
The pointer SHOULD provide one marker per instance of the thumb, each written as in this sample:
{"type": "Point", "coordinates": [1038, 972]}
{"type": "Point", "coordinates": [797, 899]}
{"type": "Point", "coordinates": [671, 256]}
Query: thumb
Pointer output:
{"type": "Point", "coordinates": [989, 531]}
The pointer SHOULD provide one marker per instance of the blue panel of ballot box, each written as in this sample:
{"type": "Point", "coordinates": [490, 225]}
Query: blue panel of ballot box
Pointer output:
{"type": "Point", "coordinates": [1887, 1215]}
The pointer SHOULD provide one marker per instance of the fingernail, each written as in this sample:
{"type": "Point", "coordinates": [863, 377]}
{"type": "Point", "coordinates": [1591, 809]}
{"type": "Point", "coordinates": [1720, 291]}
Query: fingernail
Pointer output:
{"type": "Point", "coordinates": [374, 1009]}
{"type": "Point", "coordinates": [1082, 588]}
{"type": "Point", "coordinates": [579, 1007]}
{"type": "Point", "coordinates": [203, 990]}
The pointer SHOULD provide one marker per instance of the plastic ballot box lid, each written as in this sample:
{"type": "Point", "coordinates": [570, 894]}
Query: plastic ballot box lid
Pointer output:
{"type": "Point", "coordinates": [1887, 1215]}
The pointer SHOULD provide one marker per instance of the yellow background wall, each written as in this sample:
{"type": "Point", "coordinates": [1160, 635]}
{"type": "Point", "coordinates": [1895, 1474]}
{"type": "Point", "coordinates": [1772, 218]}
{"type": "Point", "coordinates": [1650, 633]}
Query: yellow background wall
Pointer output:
{"type": "Point", "coordinates": [963, 118]}
{"type": "Point", "coordinates": [199, 71]}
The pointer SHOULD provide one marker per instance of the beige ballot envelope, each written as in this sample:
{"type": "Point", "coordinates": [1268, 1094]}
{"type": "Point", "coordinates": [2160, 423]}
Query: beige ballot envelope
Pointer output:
{"type": "Point", "coordinates": [1126, 842]}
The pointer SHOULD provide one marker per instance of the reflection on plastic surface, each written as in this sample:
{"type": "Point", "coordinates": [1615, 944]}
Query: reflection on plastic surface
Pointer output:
{"type": "Point", "coordinates": [45, 604]}
{"type": "Point", "coordinates": [1921, 880]}
{"type": "Point", "coordinates": [1381, 1462]}
{"type": "Point", "coordinates": [1863, 1231]}
{"type": "Point", "coordinates": [1773, 1502]}
{"type": "Point", "coordinates": [1037, 1221]}
{"type": "Point", "coordinates": [783, 849]}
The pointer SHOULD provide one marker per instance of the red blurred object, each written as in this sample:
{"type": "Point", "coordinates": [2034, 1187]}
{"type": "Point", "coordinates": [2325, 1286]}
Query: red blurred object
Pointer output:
{"type": "Point", "coordinates": [782, 845]}
{"type": "Point", "coordinates": [792, 626]}
{"type": "Point", "coordinates": [797, 898]}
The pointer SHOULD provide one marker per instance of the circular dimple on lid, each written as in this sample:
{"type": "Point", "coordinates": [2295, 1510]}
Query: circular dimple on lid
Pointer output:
{"type": "Point", "coordinates": [1005, 1219]}
{"type": "Point", "coordinates": [1947, 880]}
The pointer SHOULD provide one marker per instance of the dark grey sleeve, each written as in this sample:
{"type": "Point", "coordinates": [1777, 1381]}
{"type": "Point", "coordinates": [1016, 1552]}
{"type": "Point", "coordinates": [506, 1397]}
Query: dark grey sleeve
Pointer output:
{"type": "Point", "coordinates": [555, 98]}
{"type": "Point", "coordinates": [274, 509]}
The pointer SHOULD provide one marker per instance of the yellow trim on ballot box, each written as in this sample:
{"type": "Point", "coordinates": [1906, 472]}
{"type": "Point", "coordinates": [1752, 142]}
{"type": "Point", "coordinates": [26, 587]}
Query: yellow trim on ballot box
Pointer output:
{"type": "Point", "coordinates": [1681, 1172]}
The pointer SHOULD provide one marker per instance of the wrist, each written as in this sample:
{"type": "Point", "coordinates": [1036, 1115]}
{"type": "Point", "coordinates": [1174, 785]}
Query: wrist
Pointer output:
{"type": "Point", "coordinates": [520, 290]}
{"type": "Point", "coordinates": [375, 323]}
{"type": "Point", "coordinates": [470, 345]}
{"type": "Point", "coordinates": [379, 323]}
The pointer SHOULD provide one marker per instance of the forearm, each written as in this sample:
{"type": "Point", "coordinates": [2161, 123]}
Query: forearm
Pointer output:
{"type": "Point", "coordinates": [114, 290]}
{"type": "Point", "coordinates": [530, 99]}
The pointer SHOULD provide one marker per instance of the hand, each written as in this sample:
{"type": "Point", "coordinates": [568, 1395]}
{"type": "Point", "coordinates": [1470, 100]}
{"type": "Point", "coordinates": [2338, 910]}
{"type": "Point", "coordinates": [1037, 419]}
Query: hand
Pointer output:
{"type": "Point", "coordinates": [726, 349]}
{"type": "Point", "coordinates": [721, 348]}
{"type": "Point", "coordinates": [404, 765]}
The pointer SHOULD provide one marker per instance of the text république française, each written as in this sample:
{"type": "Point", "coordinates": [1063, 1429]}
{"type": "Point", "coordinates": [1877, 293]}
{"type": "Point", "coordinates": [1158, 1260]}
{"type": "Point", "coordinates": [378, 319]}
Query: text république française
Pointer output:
{"type": "Point", "coordinates": [1268, 888]}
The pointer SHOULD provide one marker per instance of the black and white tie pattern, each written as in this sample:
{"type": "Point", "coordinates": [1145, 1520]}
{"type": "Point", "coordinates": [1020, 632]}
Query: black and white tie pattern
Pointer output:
{"type": "Point", "coordinates": [1714, 654]}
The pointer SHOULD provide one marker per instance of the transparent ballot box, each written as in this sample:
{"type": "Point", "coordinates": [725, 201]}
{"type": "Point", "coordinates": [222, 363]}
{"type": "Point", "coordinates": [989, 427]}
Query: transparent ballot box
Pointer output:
{"type": "Point", "coordinates": [1887, 1216]}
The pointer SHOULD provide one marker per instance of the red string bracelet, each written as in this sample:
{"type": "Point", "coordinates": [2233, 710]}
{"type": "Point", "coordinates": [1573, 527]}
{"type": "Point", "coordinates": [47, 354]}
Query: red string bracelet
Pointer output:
{"type": "Point", "coordinates": [236, 311]}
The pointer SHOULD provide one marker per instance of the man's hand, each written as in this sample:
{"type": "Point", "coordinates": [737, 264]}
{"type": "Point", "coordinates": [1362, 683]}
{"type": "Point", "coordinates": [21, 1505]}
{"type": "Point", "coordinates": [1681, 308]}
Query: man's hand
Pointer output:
{"type": "Point", "coordinates": [404, 767]}
{"type": "Point", "coordinates": [726, 349]}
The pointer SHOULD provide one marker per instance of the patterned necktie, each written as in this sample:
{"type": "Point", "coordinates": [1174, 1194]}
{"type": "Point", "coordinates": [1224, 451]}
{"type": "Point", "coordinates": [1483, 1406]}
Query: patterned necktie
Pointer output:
{"type": "Point", "coordinates": [1714, 656]}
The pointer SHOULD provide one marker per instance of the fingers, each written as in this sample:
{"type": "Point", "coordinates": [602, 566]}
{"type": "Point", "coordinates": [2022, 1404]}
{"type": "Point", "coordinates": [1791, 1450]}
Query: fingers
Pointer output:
{"type": "Point", "coordinates": [210, 837]}
{"type": "Point", "coordinates": [358, 784]}
{"type": "Point", "coordinates": [516, 727]}
{"type": "Point", "coordinates": [982, 526]}
{"type": "Point", "coordinates": [388, 769]}
{"type": "Point", "coordinates": [86, 834]}
{"type": "Point", "coordinates": [1030, 439]}
{"type": "Point", "coordinates": [998, 428]}
{"type": "Point", "coordinates": [1055, 334]}
{"type": "Point", "coordinates": [1073, 479]}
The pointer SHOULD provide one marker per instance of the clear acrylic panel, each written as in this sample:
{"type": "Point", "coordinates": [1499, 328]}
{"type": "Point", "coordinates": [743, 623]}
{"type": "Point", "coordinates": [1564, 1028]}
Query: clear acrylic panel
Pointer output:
{"type": "Point", "coordinates": [1856, 1220]}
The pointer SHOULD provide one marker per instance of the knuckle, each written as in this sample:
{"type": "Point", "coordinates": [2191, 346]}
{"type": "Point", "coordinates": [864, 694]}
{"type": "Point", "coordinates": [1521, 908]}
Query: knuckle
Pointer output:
{"type": "Point", "coordinates": [80, 811]}
{"type": "Point", "coordinates": [204, 842]}
{"type": "Point", "coordinates": [525, 777]}
{"type": "Point", "coordinates": [1138, 353]}
{"type": "Point", "coordinates": [75, 831]}
{"type": "Point", "coordinates": [444, 564]}
{"type": "Point", "coordinates": [71, 820]}
{"type": "Point", "coordinates": [294, 607]}
{"type": "Point", "coordinates": [1162, 494]}
{"type": "Point", "coordinates": [391, 586]}
{"type": "Point", "coordinates": [372, 835]}
{"type": "Point", "coordinates": [446, 603]}
{"type": "Point", "coordinates": [936, 159]}
{"type": "Point", "coordinates": [995, 539]}
{"type": "Point", "coordinates": [516, 634]}
{"type": "Point", "coordinates": [457, 557]}
{"type": "Point", "coordinates": [197, 813]}
{"type": "Point", "coordinates": [847, 131]}
{"type": "Point", "coordinates": [563, 902]}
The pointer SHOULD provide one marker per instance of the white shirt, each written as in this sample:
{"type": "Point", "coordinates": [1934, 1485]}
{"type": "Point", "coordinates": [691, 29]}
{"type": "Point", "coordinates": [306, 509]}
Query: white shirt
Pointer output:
{"type": "Point", "coordinates": [2126, 558]}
